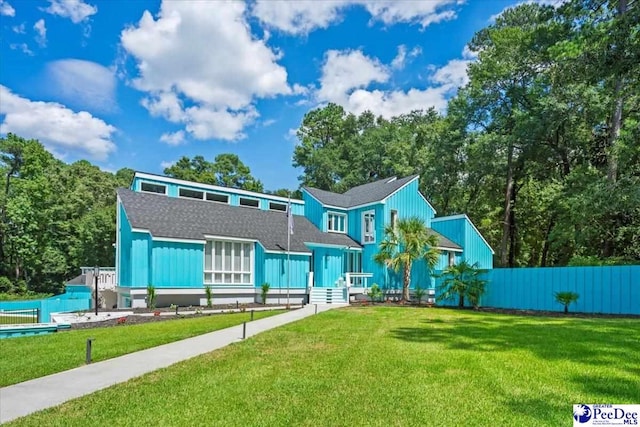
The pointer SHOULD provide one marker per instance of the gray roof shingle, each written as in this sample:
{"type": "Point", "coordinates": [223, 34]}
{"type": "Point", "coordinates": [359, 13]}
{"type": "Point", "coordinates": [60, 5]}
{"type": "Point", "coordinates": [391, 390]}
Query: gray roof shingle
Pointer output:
{"type": "Point", "coordinates": [362, 194]}
{"type": "Point", "coordinates": [444, 242]}
{"type": "Point", "coordinates": [179, 218]}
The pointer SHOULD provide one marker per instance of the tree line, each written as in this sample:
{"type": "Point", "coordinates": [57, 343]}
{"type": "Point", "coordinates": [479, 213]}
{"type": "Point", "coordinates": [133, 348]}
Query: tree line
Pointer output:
{"type": "Point", "coordinates": [540, 148]}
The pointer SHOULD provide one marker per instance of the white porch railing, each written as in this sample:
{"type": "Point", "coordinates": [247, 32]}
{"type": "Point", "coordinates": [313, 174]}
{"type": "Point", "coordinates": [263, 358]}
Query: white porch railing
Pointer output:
{"type": "Point", "coordinates": [357, 280]}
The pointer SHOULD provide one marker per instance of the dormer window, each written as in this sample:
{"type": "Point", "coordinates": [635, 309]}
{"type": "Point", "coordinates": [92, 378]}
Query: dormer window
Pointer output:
{"type": "Point", "coordinates": [336, 222]}
{"type": "Point", "coordinates": [191, 194]}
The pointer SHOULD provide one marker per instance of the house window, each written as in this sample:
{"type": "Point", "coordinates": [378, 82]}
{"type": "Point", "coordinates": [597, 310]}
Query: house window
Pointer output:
{"type": "Point", "coordinates": [394, 219]}
{"type": "Point", "coordinates": [253, 203]}
{"type": "Point", "coordinates": [336, 222]}
{"type": "Point", "coordinates": [368, 227]}
{"type": "Point", "coordinates": [153, 188]}
{"type": "Point", "coordinates": [228, 263]}
{"type": "Point", "coordinates": [452, 258]}
{"type": "Point", "coordinates": [277, 206]}
{"type": "Point", "coordinates": [216, 197]}
{"type": "Point", "coordinates": [191, 194]}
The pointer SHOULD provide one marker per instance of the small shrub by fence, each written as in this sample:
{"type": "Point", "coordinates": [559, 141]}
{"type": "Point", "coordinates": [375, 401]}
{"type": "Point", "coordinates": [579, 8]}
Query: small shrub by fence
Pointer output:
{"type": "Point", "coordinates": [607, 290]}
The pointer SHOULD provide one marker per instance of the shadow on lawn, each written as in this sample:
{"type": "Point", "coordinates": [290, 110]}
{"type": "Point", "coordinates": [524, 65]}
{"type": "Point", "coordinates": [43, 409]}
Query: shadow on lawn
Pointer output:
{"type": "Point", "coordinates": [554, 339]}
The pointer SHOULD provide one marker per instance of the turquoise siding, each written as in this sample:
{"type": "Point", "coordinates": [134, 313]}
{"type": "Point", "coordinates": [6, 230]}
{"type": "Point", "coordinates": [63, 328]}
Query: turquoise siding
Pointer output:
{"type": "Point", "coordinates": [610, 290]}
{"type": "Point", "coordinates": [297, 206]}
{"type": "Point", "coordinates": [134, 256]}
{"type": "Point", "coordinates": [461, 231]}
{"type": "Point", "coordinates": [124, 240]}
{"type": "Point", "coordinates": [313, 210]}
{"type": "Point", "coordinates": [408, 203]}
{"type": "Point", "coordinates": [328, 266]}
{"type": "Point", "coordinates": [140, 259]}
{"type": "Point", "coordinates": [275, 271]}
{"type": "Point", "coordinates": [177, 265]}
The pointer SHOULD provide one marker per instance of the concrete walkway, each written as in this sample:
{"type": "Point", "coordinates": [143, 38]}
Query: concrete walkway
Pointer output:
{"type": "Point", "coordinates": [31, 396]}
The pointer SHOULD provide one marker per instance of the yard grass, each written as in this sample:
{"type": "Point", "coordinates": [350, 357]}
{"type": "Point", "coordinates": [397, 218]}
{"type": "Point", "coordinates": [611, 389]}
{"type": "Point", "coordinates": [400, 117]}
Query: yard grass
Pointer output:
{"type": "Point", "coordinates": [380, 366]}
{"type": "Point", "coordinates": [12, 319]}
{"type": "Point", "coordinates": [26, 358]}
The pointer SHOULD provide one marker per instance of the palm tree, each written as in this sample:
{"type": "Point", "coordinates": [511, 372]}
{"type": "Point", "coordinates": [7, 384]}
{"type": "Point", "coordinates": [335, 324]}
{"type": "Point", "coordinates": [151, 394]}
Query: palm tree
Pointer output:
{"type": "Point", "coordinates": [409, 241]}
{"type": "Point", "coordinates": [463, 279]}
{"type": "Point", "coordinates": [566, 298]}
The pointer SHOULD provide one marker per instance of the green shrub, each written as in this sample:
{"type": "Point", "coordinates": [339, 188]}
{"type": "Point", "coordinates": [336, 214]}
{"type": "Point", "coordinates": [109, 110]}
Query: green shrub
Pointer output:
{"type": "Point", "coordinates": [566, 298]}
{"type": "Point", "coordinates": [265, 290]}
{"type": "Point", "coordinates": [375, 292]}
{"type": "Point", "coordinates": [5, 284]}
{"type": "Point", "coordinates": [209, 293]}
{"type": "Point", "coordinates": [151, 297]}
{"type": "Point", "coordinates": [420, 293]}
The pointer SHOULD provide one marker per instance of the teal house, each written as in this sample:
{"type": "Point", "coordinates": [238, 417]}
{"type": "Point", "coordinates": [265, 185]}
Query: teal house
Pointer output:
{"type": "Point", "coordinates": [181, 237]}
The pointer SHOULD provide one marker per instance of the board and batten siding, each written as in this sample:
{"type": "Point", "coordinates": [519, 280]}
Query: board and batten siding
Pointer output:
{"type": "Point", "coordinates": [314, 211]}
{"type": "Point", "coordinates": [275, 270]}
{"type": "Point", "coordinates": [408, 203]}
{"type": "Point", "coordinates": [328, 266]}
{"type": "Point", "coordinates": [608, 290]}
{"type": "Point", "coordinates": [460, 230]}
{"type": "Point", "coordinates": [177, 264]}
{"type": "Point", "coordinates": [134, 254]}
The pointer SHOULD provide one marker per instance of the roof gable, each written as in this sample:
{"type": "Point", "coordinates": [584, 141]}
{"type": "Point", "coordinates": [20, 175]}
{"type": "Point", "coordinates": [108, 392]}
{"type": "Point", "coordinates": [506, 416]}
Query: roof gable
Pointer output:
{"type": "Point", "coordinates": [364, 194]}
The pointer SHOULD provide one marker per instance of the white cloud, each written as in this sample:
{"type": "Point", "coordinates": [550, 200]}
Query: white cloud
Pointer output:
{"type": "Point", "coordinates": [84, 82]}
{"type": "Point", "coordinates": [41, 30]}
{"type": "Point", "coordinates": [453, 74]}
{"type": "Point", "coordinates": [22, 47]}
{"type": "Point", "coordinates": [211, 91]}
{"type": "Point", "coordinates": [344, 71]}
{"type": "Point", "coordinates": [400, 59]}
{"type": "Point", "coordinates": [167, 164]}
{"type": "Point", "coordinates": [56, 126]}
{"type": "Point", "coordinates": [173, 138]}
{"type": "Point", "coordinates": [6, 9]}
{"type": "Point", "coordinates": [347, 77]}
{"type": "Point", "coordinates": [303, 17]}
{"type": "Point", "coordinates": [19, 29]}
{"type": "Point", "coordinates": [76, 10]}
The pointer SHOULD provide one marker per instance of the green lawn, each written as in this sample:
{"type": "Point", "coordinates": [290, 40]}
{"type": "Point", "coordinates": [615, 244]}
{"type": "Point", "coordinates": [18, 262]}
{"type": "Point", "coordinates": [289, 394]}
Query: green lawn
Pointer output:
{"type": "Point", "coordinates": [13, 319]}
{"type": "Point", "coordinates": [384, 366]}
{"type": "Point", "coordinates": [25, 358]}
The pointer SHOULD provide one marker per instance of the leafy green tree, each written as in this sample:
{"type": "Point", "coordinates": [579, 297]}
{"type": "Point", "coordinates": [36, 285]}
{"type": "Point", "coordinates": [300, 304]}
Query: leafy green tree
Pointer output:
{"type": "Point", "coordinates": [226, 170]}
{"type": "Point", "coordinates": [463, 280]}
{"type": "Point", "coordinates": [566, 298]}
{"type": "Point", "coordinates": [408, 242]}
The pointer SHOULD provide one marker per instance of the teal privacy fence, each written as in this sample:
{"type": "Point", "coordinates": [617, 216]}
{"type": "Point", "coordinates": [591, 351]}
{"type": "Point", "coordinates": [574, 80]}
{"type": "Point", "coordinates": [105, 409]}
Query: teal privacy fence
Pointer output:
{"type": "Point", "coordinates": [76, 300]}
{"type": "Point", "coordinates": [608, 290]}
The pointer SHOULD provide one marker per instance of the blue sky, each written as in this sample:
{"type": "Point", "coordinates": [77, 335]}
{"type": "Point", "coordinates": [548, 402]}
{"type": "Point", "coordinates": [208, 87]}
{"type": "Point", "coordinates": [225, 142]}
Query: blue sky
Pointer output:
{"type": "Point", "coordinates": [141, 83]}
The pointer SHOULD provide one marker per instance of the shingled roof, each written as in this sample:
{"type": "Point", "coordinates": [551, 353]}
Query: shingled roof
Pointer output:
{"type": "Point", "coordinates": [445, 243]}
{"type": "Point", "coordinates": [362, 194]}
{"type": "Point", "coordinates": [179, 218]}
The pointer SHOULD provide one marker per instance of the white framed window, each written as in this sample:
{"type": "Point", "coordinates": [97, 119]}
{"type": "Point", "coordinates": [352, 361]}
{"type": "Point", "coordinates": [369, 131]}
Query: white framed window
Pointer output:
{"type": "Point", "coordinates": [252, 203]}
{"type": "Point", "coordinates": [217, 197]}
{"type": "Point", "coordinates": [190, 194]}
{"type": "Point", "coordinates": [336, 222]}
{"type": "Point", "coordinates": [369, 227]}
{"type": "Point", "coordinates": [274, 206]}
{"type": "Point", "coordinates": [153, 188]}
{"type": "Point", "coordinates": [228, 263]}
